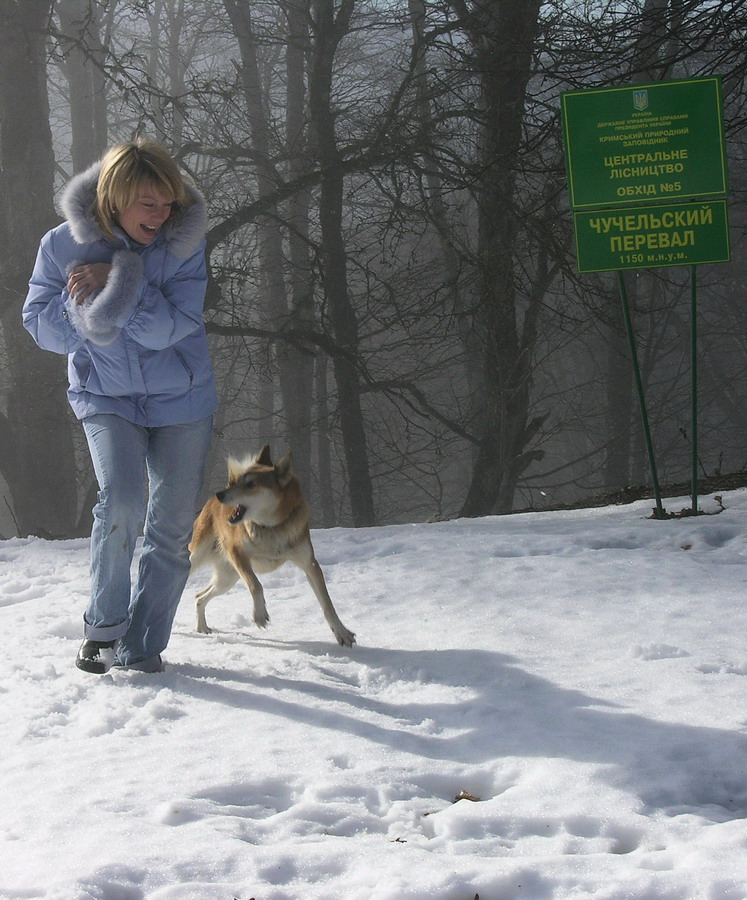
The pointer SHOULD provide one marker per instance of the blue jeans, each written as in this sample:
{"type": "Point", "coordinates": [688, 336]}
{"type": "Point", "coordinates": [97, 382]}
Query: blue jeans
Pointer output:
{"type": "Point", "coordinates": [169, 461]}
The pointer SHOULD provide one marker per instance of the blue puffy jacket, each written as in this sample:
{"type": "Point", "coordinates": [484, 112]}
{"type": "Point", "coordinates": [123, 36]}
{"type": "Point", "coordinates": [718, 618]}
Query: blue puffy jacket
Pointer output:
{"type": "Point", "coordinates": [138, 348]}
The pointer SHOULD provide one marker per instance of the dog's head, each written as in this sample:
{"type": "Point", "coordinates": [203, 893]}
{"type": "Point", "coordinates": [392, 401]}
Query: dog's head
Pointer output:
{"type": "Point", "coordinates": [256, 486]}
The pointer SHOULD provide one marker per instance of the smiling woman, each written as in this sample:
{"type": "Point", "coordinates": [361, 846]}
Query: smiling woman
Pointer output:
{"type": "Point", "coordinates": [119, 287]}
{"type": "Point", "coordinates": [137, 173]}
{"type": "Point", "coordinates": [142, 218]}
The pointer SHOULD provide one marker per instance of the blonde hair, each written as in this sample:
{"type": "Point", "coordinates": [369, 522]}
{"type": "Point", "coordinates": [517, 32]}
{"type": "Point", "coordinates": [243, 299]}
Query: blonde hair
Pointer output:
{"type": "Point", "coordinates": [125, 168]}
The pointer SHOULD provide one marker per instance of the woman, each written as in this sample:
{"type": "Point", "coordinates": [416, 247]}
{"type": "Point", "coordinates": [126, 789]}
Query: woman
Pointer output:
{"type": "Point", "coordinates": [119, 287]}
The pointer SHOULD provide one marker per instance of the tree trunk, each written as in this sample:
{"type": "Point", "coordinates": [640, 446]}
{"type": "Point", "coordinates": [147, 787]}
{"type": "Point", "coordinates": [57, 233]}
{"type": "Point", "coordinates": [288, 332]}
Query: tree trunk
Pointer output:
{"type": "Point", "coordinates": [36, 453]}
{"type": "Point", "coordinates": [297, 363]}
{"type": "Point", "coordinates": [83, 60]}
{"type": "Point", "coordinates": [329, 29]}
{"type": "Point", "coordinates": [619, 389]}
{"type": "Point", "coordinates": [294, 371]}
{"type": "Point", "coordinates": [502, 36]}
{"type": "Point", "coordinates": [325, 486]}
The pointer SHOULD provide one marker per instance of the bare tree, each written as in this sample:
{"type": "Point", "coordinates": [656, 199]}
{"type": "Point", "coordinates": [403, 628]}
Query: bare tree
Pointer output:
{"type": "Point", "coordinates": [501, 35]}
{"type": "Point", "coordinates": [330, 24]}
{"type": "Point", "coordinates": [35, 428]}
{"type": "Point", "coordinates": [82, 60]}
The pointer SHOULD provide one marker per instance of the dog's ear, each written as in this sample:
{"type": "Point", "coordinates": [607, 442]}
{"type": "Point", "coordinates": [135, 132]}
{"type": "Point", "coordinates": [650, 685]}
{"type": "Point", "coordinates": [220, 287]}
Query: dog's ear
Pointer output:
{"type": "Point", "coordinates": [284, 469]}
{"type": "Point", "coordinates": [263, 457]}
{"type": "Point", "coordinates": [235, 468]}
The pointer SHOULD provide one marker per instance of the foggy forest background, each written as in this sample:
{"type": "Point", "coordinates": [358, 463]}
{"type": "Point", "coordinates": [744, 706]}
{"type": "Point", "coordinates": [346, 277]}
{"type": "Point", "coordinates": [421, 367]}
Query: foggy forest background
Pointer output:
{"type": "Point", "coordinates": [393, 293]}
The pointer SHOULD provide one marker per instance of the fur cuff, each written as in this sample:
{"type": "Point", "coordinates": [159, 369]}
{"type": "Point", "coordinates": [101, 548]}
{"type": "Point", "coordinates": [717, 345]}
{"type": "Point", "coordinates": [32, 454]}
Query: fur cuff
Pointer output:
{"type": "Point", "coordinates": [101, 318]}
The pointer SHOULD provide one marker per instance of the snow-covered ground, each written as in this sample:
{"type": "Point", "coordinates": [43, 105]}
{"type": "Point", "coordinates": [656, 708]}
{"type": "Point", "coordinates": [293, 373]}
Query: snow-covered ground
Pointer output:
{"type": "Point", "coordinates": [576, 678]}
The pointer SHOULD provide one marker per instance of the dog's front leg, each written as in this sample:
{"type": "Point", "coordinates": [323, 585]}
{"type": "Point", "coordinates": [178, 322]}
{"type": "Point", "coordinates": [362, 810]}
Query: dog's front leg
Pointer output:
{"type": "Point", "coordinates": [243, 565]}
{"type": "Point", "coordinates": [315, 578]}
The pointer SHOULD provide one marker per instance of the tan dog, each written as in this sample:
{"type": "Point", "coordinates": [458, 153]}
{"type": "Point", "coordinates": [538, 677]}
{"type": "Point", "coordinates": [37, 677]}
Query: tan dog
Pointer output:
{"type": "Point", "coordinates": [267, 525]}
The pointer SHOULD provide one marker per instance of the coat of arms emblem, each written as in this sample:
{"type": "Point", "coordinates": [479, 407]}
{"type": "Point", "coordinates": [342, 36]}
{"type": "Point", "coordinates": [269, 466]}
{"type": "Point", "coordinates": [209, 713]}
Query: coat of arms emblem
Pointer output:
{"type": "Point", "coordinates": [640, 100]}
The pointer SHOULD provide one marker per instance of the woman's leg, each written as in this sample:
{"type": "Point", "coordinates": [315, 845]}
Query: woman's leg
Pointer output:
{"type": "Point", "coordinates": [176, 457]}
{"type": "Point", "coordinates": [118, 453]}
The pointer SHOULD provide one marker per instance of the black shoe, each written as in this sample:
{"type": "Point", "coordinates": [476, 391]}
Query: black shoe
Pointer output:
{"type": "Point", "coordinates": [95, 656]}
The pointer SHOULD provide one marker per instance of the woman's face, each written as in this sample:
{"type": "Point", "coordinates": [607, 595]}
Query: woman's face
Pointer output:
{"type": "Point", "coordinates": [145, 215]}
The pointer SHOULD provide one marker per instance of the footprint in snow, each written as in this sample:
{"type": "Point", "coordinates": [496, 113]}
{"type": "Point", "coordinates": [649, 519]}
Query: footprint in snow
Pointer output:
{"type": "Point", "coordinates": [657, 651]}
{"type": "Point", "coordinates": [19, 592]}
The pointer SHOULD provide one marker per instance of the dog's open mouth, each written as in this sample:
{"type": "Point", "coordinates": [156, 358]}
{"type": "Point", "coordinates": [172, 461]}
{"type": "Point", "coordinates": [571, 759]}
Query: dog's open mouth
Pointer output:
{"type": "Point", "coordinates": [237, 514]}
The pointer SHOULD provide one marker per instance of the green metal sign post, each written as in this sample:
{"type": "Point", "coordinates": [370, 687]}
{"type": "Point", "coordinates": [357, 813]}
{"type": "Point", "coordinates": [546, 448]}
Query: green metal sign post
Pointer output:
{"type": "Point", "coordinates": [672, 234]}
{"type": "Point", "coordinates": [646, 168]}
{"type": "Point", "coordinates": [645, 142]}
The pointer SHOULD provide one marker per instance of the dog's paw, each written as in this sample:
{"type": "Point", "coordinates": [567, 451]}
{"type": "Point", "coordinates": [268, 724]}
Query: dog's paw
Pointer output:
{"type": "Point", "coordinates": [202, 628]}
{"type": "Point", "coordinates": [261, 619]}
{"type": "Point", "coordinates": [345, 638]}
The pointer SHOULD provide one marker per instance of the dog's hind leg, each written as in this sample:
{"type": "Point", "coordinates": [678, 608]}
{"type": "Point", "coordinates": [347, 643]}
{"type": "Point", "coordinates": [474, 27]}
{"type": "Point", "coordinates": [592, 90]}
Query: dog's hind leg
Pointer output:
{"type": "Point", "coordinates": [315, 578]}
{"type": "Point", "coordinates": [224, 578]}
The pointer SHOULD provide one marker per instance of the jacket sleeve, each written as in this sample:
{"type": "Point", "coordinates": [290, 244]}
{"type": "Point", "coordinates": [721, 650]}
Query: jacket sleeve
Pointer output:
{"type": "Point", "coordinates": [166, 313]}
{"type": "Point", "coordinates": [101, 317]}
{"type": "Point", "coordinates": [45, 311]}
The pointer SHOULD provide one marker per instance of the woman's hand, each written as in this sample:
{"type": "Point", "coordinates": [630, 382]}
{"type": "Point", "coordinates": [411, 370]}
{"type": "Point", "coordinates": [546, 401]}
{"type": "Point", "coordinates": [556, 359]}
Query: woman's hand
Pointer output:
{"type": "Point", "coordinates": [84, 281]}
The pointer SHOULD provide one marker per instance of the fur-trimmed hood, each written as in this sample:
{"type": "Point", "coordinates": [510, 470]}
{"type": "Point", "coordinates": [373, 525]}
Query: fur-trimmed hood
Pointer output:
{"type": "Point", "coordinates": [182, 232]}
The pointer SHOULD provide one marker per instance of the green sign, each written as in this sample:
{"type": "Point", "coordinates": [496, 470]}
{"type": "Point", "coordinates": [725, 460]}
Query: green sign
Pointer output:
{"type": "Point", "coordinates": [645, 142]}
{"type": "Point", "coordinates": [652, 236]}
